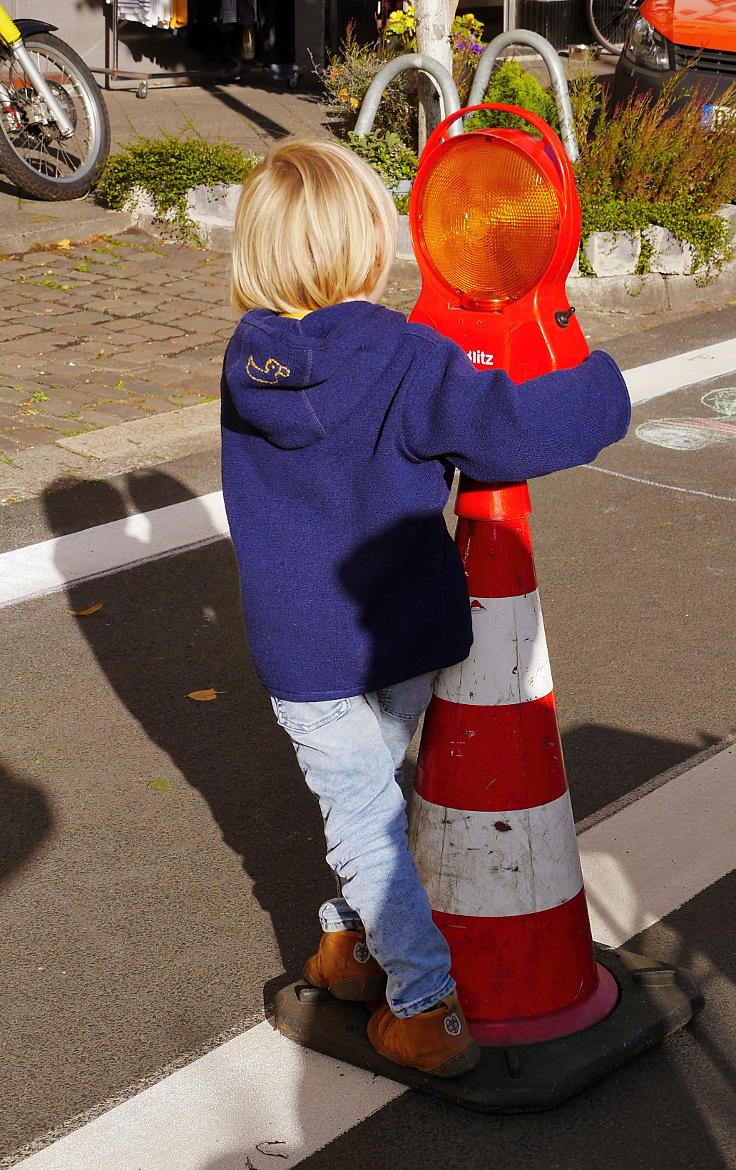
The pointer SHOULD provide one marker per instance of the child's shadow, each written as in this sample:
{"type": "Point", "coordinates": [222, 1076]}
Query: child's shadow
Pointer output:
{"type": "Point", "coordinates": [25, 821]}
{"type": "Point", "coordinates": [174, 627]}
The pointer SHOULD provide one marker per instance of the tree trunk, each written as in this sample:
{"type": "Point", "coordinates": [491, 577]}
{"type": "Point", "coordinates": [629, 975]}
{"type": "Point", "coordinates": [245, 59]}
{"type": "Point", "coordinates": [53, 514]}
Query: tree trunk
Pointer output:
{"type": "Point", "coordinates": [433, 39]}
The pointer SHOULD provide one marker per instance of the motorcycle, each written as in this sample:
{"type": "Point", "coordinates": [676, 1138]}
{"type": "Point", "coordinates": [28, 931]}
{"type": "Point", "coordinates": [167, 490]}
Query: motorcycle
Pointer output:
{"type": "Point", "coordinates": [54, 126]}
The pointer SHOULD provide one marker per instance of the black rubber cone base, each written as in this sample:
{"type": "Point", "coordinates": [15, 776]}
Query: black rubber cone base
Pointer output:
{"type": "Point", "coordinates": [654, 1000]}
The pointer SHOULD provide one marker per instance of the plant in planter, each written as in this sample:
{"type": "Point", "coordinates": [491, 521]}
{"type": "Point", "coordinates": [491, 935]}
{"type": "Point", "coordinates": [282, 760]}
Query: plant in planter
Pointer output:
{"type": "Point", "coordinates": [386, 153]}
{"type": "Point", "coordinates": [346, 78]}
{"type": "Point", "coordinates": [465, 41]}
{"type": "Point", "coordinates": [166, 169]}
{"type": "Point", "coordinates": [648, 163]}
{"type": "Point", "coordinates": [513, 86]}
{"type": "Point", "coordinates": [395, 163]}
{"type": "Point", "coordinates": [349, 72]}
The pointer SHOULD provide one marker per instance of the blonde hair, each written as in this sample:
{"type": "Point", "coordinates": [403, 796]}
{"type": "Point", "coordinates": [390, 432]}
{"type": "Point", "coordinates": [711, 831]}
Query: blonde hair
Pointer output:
{"type": "Point", "coordinates": [314, 226]}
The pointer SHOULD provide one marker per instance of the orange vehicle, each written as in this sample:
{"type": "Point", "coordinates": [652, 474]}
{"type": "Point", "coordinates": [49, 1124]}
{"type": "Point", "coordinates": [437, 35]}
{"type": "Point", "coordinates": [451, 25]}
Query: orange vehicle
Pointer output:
{"type": "Point", "coordinates": [668, 36]}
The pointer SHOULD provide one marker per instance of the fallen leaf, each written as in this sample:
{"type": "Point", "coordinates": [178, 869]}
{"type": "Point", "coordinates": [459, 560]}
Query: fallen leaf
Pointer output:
{"type": "Point", "coordinates": [65, 243]}
{"type": "Point", "coordinates": [161, 785]}
{"type": "Point", "coordinates": [85, 612]}
{"type": "Point", "coordinates": [205, 696]}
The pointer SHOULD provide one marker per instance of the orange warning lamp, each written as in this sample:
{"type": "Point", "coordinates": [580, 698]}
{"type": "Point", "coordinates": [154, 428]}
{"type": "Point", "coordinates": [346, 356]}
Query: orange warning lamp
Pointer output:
{"type": "Point", "coordinates": [495, 219]}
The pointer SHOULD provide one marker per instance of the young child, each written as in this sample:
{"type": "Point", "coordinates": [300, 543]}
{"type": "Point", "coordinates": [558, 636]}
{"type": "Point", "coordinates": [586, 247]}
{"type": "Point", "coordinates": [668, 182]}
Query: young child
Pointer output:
{"type": "Point", "coordinates": [341, 427]}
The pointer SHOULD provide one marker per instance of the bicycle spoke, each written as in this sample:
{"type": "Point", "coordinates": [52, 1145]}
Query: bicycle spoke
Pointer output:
{"type": "Point", "coordinates": [39, 143]}
{"type": "Point", "coordinates": [610, 21]}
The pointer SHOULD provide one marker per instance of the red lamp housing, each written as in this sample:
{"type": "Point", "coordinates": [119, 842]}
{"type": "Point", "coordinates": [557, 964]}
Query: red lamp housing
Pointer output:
{"type": "Point", "coordinates": [495, 219]}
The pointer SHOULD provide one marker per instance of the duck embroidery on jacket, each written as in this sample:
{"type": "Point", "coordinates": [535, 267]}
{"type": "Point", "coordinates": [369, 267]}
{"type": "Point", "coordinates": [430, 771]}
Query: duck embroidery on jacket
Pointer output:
{"type": "Point", "coordinates": [270, 374]}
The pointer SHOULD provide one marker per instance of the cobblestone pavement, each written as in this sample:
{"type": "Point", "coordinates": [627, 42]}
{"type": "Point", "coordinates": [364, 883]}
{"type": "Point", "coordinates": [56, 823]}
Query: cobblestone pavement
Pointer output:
{"type": "Point", "coordinates": [114, 330]}
{"type": "Point", "coordinates": [107, 332]}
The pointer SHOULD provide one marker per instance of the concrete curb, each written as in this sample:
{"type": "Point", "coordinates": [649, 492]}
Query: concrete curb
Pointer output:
{"type": "Point", "coordinates": [652, 293]}
{"type": "Point", "coordinates": [129, 446]}
{"type": "Point", "coordinates": [33, 223]}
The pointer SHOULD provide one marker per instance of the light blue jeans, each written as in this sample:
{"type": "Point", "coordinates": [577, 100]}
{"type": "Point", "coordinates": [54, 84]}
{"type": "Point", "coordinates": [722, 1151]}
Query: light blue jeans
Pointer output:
{"type": "Point", "coordinates": [351, 752]}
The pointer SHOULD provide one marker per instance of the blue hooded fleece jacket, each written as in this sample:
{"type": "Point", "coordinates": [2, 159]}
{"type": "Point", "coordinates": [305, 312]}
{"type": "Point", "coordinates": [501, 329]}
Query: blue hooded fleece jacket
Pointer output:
{"type": "Point", "coordinates": [340, 433]}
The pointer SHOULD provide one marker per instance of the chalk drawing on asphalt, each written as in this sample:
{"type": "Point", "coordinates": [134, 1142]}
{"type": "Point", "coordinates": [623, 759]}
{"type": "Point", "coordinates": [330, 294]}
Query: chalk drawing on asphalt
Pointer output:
{"type": "Point", "coordinates": [691, 434]}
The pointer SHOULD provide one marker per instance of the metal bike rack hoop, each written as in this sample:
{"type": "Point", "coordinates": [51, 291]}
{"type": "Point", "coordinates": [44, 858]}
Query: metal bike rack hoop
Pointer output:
{"type": "Point", "coordinates": [522, 36]}
{"type": "Point", "coordinates": [388, 72]}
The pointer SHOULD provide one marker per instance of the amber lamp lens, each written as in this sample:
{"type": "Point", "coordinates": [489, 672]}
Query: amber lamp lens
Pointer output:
{"type": "Point", "coordinates": [490, 219]}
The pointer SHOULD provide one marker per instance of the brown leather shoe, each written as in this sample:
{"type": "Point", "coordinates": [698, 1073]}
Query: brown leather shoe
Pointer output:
{"type": "Point", "coordinates": [436, 1041]}
{"type": "Point", "coordinates": [345, 966]}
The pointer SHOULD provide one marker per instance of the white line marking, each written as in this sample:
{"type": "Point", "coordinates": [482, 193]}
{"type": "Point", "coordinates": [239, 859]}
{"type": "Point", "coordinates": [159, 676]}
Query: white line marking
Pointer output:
{"type": "Point", "coordinates": [216, 1112]}
{"type": "Point", "coordinates": [640, 865]}
{"type": "Point", "coordinates": [670, 487]}
{"type": "Point", "coordinates": [38, 569]}
{"type": "Point", "coordinates": [653, 856]}
{"type": "Point", "coordinates": [684, 369]}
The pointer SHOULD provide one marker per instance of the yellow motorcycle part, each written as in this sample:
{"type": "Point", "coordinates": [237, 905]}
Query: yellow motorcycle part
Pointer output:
{"type": "Point", "coordinates": [9, 31]}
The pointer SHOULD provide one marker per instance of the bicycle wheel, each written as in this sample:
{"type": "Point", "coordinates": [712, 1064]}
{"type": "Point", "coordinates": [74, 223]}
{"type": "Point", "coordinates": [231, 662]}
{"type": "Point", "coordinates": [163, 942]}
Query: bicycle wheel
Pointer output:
{"type": "Point", "coordinates": [32, 152]}
{"type": "Point", "coordinates": [610, 20]}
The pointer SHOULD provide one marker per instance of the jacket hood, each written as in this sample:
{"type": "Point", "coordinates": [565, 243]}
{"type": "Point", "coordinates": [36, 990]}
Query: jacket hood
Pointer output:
{"type": "Point", "coordinates": [294, 382]}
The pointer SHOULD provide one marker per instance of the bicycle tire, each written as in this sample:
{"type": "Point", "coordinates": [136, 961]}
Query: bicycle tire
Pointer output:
{"type": "Point", "coordinates": [605, 26]}
{"type": "Point", "coordinates": [83, 96]}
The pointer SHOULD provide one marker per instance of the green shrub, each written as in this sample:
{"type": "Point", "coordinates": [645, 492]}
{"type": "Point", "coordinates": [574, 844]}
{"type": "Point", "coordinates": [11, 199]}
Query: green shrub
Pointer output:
{"type": "Point", "coordinates": [167, 168]}
{"type": "Point", "coordinates": [654, 150]}
{"type": "Point", "coordinates": [512, 86]}
{"type": "Point", "coordinates": [386, 153]}
{"type": "Point", "coordinates": [708, 234]}
{"type": "Point", "coordinates": [651, 161]}
{"type": "Point", "coordinates": [346, 78]}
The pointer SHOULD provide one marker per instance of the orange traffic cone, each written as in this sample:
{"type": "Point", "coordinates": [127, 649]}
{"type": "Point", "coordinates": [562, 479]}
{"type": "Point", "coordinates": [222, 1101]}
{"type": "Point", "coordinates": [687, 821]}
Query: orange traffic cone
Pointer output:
{"type": "Point", "coordinates": [492, 827]}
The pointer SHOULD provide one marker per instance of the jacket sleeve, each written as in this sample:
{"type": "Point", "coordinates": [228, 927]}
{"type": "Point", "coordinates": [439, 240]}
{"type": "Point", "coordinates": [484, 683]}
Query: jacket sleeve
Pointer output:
{"type": "Point", "coordinates": [492, 429]}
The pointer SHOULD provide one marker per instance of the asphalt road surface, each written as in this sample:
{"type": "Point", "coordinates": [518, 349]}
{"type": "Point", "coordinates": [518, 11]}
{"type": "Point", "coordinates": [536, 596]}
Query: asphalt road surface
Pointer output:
{"type": "Point", "coordinates": [162, 859]}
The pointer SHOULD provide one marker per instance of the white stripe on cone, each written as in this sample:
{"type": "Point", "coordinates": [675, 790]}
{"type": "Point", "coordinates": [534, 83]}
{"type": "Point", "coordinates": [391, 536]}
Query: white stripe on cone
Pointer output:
{"type": "Point", "coordinates": [508, 662]}
{"type": "Point", "coordinates": [496, 864]}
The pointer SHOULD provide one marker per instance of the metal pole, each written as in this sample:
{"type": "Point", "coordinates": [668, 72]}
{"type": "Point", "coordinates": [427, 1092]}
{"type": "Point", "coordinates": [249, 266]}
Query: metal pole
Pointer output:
{"type": "Point", "coordinates": [551, 59]}
{"type": "Point", "coordinates": [438, 73]}
{"type": "Point", "coordinates": [24, 59]}
{"type": "Point", "coordinates": [509, 19]}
